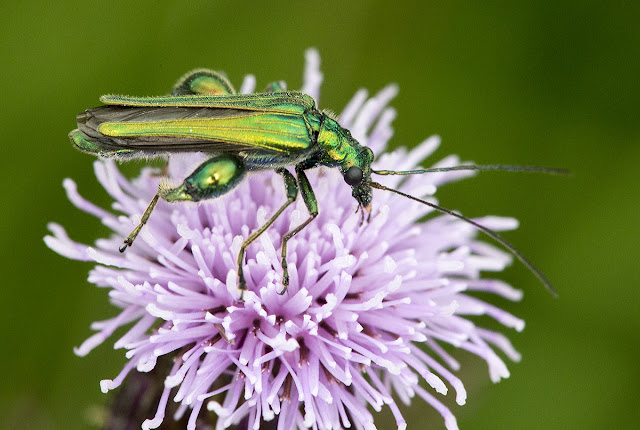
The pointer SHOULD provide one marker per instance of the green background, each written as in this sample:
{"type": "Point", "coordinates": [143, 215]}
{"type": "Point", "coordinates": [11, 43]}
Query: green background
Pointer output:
{"type": "Point", "coordinates": [548, 83]}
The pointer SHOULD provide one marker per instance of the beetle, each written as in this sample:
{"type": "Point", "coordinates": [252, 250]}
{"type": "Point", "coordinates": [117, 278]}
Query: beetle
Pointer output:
{"type": "Point", "coordinates": [242, 133]}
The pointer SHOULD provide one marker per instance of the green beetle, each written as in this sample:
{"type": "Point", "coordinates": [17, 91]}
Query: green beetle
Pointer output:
{"type": "Point", "coordinates": [243, 133]}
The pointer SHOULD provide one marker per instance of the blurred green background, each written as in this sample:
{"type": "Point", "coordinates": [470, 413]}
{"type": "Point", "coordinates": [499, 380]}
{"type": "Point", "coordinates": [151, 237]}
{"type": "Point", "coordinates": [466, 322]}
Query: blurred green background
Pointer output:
{"type": "Point", "coordinates": [546, 83]}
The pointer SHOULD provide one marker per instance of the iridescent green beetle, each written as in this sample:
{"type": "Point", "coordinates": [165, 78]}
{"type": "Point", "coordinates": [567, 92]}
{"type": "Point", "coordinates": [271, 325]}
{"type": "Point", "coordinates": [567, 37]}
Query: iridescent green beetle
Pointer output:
{"type": "Point", "coordinates": [243, 133]}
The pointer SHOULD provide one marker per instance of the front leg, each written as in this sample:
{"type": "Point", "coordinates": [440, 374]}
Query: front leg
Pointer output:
{"type": "Point", "coordinates": [292, 193]}
{"type": "Point", "coordinates": [310, 201]}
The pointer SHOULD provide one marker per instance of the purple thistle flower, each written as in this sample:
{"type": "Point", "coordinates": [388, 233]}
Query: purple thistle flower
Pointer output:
{"type": "Point", "coordinates": [368, 306]}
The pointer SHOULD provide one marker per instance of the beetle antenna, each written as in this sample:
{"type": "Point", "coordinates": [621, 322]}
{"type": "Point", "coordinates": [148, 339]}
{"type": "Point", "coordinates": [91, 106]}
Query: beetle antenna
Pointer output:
{"type": "Point", "coordinates": [547, 170]}
{"type": "Point", "coordinates": [492, 234]}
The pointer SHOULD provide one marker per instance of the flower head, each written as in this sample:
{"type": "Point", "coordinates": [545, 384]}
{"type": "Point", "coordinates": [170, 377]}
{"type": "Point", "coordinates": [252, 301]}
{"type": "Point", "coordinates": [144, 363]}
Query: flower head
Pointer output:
{"type": "Point", "coordinates": [365, 316]}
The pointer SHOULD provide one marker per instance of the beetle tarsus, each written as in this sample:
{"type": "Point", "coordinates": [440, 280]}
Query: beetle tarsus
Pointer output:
{"type": "Point", "coordinates": [242, 286]}
{"type": "Point", "coordinates": [285, 277]}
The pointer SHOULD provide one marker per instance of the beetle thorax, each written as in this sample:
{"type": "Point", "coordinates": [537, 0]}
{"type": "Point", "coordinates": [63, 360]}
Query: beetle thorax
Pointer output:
{"type": "Point", "coordinates": [336, 144]}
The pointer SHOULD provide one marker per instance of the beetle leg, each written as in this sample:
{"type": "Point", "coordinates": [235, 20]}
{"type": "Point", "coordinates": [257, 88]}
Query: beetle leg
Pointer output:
{"type": "Point", "coordinates": [214, 177]}
{"type": "Point", "coordinates": [310, 201]}
{"type": "Point", "coordinates": [203, 81]}
{"type": "Point", "coordinates": [276, 87]}
{"type": "Point", "coordinates": [292, 193]}
{"type": "Point", "coordinates": [129, 240]}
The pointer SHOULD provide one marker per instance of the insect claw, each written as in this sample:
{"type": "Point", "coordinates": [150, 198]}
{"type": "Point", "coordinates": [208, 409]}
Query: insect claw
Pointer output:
{"type": "Point", "coordinates": [124, 247]}
{"type": "Point", "coordinates": [223, 334]}
{"type": "Point", "coordinates": [285, 280]}
{"type": "Point", "coordinates": [284, 288]}
{"type": "Point", "coordinates": [242, 287]}
{"type": "Point", "coordinates": [362, 209]}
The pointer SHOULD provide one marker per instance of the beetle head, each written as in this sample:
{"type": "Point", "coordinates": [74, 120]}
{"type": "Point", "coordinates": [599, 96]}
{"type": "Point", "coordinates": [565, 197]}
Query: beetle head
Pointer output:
{"type": "Point", "coordinates": [358, 175]}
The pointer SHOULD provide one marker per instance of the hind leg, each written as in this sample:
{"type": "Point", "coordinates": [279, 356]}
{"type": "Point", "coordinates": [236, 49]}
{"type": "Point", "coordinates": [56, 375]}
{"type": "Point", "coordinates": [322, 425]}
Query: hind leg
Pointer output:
{"type": "Point", "coordinates": [214, 177]}
{"type": "Point", "coordinates": [203, 81]}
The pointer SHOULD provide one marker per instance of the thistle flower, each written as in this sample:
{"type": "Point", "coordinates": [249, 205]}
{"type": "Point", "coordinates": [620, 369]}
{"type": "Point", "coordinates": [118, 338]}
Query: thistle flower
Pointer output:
{"type": "Point", "coordinates": [369, 306]}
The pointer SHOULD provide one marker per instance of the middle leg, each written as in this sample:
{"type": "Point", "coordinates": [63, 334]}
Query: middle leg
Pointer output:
{"type": "Point", "coordinates": [292, 193]}
{"type": "Point", "coordinates": [310, 201]}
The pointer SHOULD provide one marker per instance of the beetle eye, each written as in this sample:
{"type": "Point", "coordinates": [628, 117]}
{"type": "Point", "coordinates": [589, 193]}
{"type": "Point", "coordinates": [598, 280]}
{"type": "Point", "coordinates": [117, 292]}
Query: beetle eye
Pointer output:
{"type": "Point", "coordinates": [353, 176]}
